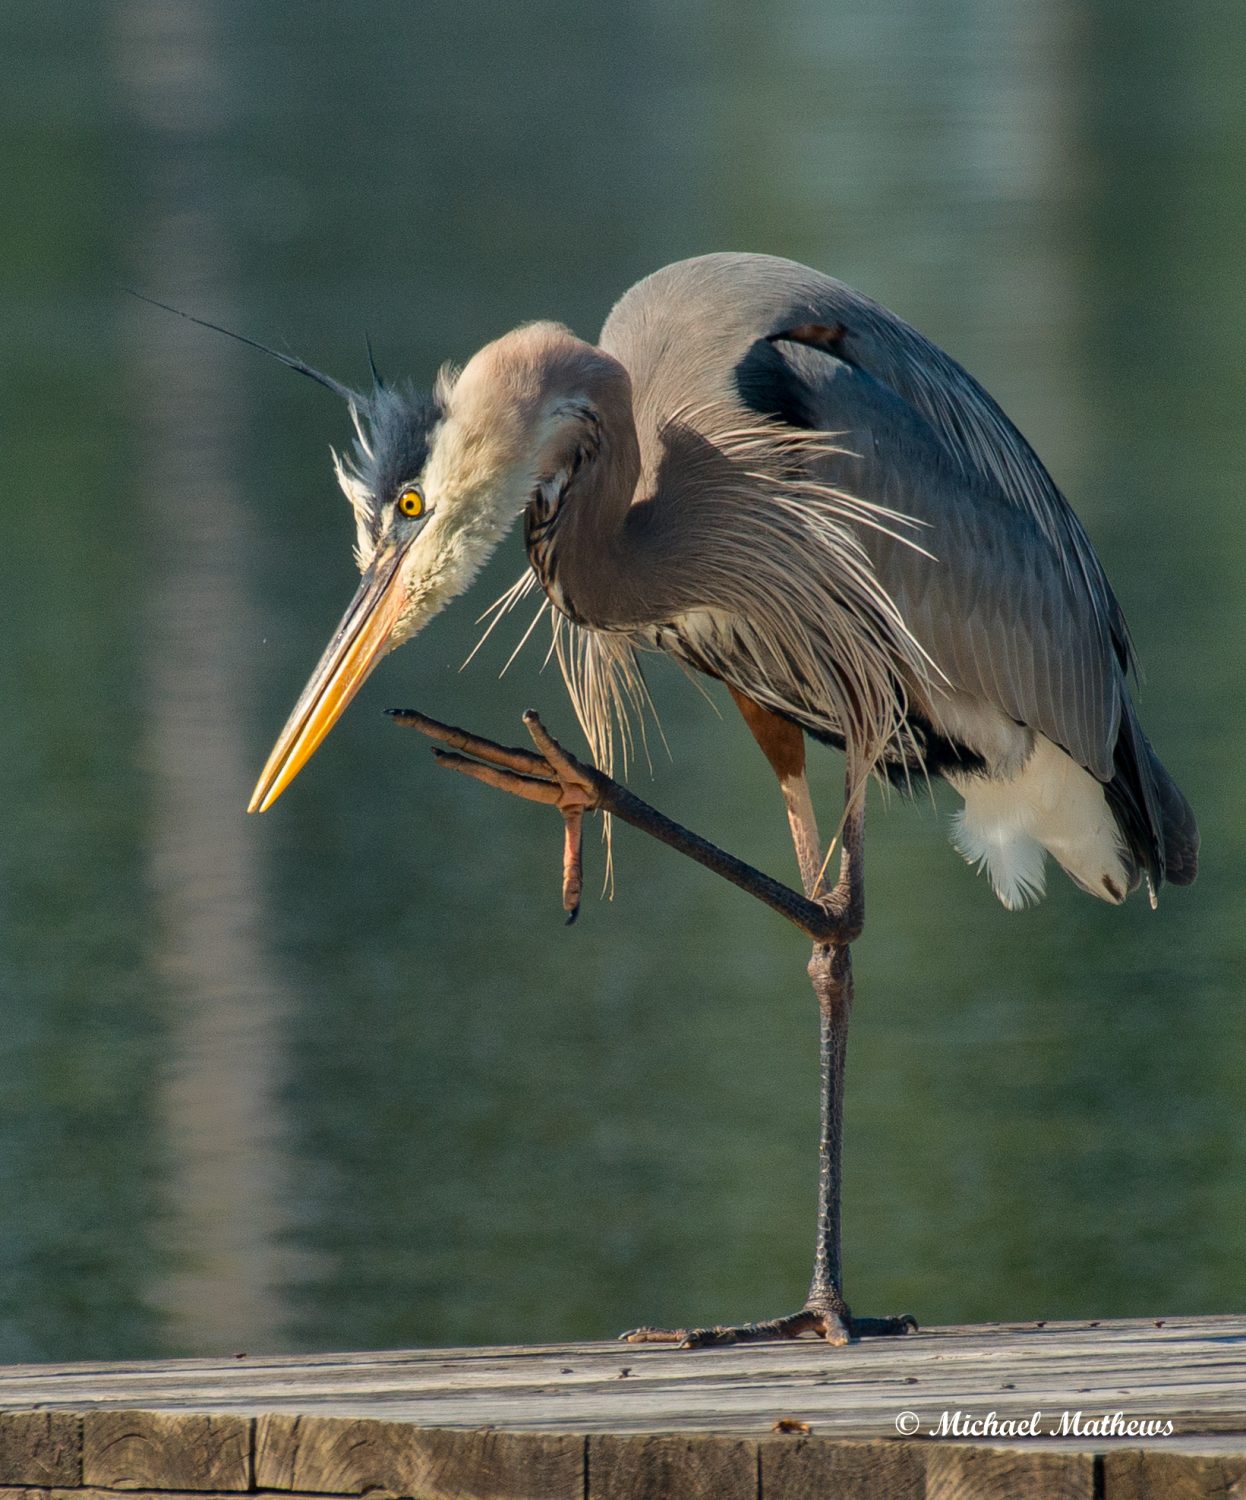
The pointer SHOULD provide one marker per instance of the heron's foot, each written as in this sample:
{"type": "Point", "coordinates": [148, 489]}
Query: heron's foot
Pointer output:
{"type": "Point", "coordinates": [552, 776]}
{"type": "Point", "coordinates": [834, 1326]}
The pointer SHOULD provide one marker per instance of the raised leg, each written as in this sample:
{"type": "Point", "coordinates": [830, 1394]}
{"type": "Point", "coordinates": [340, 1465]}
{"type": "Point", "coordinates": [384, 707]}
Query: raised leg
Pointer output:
{"type": "Point", "coordinates": [559, 780]}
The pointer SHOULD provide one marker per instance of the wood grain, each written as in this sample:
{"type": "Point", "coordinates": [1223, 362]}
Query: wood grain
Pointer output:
{"type": "Point", "coordinates": [40, 1448]}
{"type": "Point", "coordinates": [954, 1472]}
{"type": "Point", "coordinates": [1156, 1475]}
{"type": "Point", "coordinates": [656, 1466]}
{"type": "Point", "coordinates": [345, 1457]}
{"type": "Point", "coordinates": [880, 1470]}
{"type": "Point", "coordinates": [138, 1450]}
{"type": "Point", "coordinates": [90, 1493]}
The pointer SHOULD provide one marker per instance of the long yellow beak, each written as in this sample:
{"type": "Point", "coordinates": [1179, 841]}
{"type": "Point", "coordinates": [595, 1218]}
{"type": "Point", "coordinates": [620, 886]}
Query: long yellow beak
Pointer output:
{"type": "Point", "coordinates": [358, 643]}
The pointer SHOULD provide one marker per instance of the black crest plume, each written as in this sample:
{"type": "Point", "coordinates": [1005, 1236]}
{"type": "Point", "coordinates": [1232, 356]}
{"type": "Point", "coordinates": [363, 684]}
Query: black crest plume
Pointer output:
{"type": "Point", "coordinates": [352, 398]}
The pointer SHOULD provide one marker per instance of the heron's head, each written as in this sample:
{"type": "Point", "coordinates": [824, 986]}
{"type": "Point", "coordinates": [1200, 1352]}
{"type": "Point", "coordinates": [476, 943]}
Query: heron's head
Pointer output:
{"type": "Point", "coordinates": [435, 481]}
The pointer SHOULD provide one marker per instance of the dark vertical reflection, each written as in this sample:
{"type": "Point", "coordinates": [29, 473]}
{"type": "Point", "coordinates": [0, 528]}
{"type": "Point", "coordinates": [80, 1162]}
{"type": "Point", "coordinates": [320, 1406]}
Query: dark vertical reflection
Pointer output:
{"type": "Point", "coordinates": [227, 1005]}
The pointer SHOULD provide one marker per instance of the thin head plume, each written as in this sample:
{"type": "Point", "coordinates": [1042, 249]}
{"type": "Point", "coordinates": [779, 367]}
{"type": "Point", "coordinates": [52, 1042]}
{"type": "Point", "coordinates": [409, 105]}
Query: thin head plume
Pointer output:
{"type": "Point", "coordinates": [376, 374]}
{"type": "Point", "coordinates": [352, 398]}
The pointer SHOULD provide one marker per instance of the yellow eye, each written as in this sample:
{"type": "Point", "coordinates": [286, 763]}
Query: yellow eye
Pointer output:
{"type": "Point", "coordinates": [411, 503]}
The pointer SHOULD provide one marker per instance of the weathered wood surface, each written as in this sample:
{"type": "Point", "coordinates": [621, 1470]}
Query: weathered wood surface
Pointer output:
{"type": "Point", "coordinates": [605, 1421]}
{"type": "Point", "coordinates": [1191, 1371]}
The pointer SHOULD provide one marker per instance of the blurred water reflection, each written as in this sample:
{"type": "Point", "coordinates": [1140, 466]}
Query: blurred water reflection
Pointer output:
{"type": "Point", "coordinates": [338, 1077]}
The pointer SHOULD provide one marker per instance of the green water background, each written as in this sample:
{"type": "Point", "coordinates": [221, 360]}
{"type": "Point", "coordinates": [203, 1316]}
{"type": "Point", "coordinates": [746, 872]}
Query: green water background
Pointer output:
{"type": "Point", "coordinates": [338, 1077]}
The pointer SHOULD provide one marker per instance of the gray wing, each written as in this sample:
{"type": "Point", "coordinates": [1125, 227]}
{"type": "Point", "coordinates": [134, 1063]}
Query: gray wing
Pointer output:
{"type": "Point", "coordinates": [1001, 607]}
{"type": "Point", "coordinates": [1012, 604]}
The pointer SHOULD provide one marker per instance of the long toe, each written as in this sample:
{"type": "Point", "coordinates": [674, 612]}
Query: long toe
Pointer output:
{"type": "Point", "coordinates": [655, 1335]}
{"type": "Point", "coordinates": [829, 1324]}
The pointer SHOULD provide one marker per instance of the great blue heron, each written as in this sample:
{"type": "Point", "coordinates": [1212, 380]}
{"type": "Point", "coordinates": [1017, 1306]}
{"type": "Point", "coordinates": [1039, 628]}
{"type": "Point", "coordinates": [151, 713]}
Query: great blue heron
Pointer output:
{"type": "Point", "coordinates": [778, 482]}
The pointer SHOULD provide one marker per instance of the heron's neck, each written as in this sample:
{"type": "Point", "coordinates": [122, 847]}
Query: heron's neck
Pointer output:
{"type": "Point", "coordinates": [543, 422]}
{"type": "Point", "coordinates": [630, 547]}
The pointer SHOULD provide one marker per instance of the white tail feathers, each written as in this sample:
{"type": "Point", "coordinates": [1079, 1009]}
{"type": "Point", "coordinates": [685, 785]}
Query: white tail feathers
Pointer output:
{"type": "Point", "coordinates": [1015, 863]}
{"type": "Point", "coordinates": [1051, 806]}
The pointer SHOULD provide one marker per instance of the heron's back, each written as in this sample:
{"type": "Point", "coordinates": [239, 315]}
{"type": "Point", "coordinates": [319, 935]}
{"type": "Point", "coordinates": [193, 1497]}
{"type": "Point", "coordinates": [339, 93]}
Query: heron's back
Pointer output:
{"type": "Point", "coordinates": [1004, 591]}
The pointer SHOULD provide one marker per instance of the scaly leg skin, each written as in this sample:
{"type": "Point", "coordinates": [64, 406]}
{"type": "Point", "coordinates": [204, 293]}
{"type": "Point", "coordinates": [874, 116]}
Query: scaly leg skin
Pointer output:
{"type": "Point", "coordinates": [833, 921]}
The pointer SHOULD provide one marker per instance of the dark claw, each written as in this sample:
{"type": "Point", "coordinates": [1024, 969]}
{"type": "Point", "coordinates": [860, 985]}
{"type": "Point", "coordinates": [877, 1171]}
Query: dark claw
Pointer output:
{"type": "Point", "coordinates": [884, 1327]}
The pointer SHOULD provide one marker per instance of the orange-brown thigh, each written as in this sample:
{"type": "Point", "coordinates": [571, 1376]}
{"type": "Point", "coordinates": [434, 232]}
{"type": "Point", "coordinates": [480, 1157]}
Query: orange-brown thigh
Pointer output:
{"type": "Point", "coordinates": [781, 741]}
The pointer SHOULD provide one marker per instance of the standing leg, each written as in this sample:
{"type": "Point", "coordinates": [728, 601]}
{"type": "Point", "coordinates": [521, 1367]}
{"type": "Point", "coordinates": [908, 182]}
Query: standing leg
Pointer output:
{"type": "Point", "coordinates": [554, 777]}
{"type": "Point", "coordinates": [830, 970]}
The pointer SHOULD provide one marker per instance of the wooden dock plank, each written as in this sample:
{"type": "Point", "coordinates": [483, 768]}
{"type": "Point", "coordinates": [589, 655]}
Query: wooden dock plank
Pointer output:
{"type": "Point", "coordinates": [1160, 1475]}
{"type": "Point", "coordinates": [1192, 1372]}
{"type": "Point", "coordinates": [600, 1421]}
{"type": "Point", "coordinates": [137, 1450]}
{"type": "Point", "coordinates": [954, 1472]}
{"type": "Point", "coordinates": [40, 1448]}
{"type": "Point", "coordinates": [344, 1457]}
{"type": "Point", "coordinates": [882, 1470]}
{"type": "Point", "coordinates": [698, 1467]}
